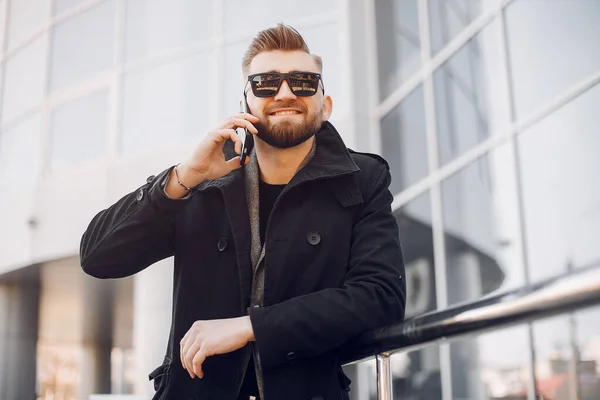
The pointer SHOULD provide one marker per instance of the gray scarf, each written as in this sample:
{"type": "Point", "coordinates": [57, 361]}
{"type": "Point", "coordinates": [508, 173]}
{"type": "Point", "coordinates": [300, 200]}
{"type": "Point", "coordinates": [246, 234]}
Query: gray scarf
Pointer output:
{"type": "Point", "coordinates": [257, 251]}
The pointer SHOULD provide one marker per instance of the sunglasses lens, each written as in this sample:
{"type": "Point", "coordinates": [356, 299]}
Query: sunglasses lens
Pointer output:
{"type": "Point", "coordinates": [301, 83]}
{"type": "Point", "coordinates": [304, 83]}
{"type": "Point", "coordinates": [265, 85]}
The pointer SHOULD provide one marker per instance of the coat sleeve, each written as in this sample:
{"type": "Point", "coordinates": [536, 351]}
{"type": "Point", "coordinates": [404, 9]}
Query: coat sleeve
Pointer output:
{"type": "Point", "coordinates": [372, 296]}
{"type": "Point", "coordinates": [133, 233]}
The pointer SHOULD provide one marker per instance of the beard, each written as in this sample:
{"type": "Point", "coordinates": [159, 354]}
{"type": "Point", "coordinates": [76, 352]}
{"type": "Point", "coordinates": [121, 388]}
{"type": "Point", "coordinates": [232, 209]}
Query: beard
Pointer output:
{"type": "Point", "coordinates": [289, 133]}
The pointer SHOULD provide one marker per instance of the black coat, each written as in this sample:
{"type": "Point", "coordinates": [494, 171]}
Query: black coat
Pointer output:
{"type": "Point", "coordinates": [333, 269]}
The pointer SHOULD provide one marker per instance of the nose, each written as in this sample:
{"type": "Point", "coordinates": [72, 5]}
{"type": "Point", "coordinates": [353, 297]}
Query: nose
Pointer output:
{"type": "Point", "coordinates": [285, 92]}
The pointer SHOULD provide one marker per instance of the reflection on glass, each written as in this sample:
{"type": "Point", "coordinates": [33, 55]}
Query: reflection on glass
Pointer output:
{"type": "Point", "coordinates": [587, 327]}
{"type": "Point", "coordinates": [481, 226]}
{"type": "Point", "coordinates": [157, 26]}
{"type": "Point", "coordinates": [83, 46]}
{"type": "Point", "coordinates": [471, 95]}
{"type": "Point", "coordinates": [555, 367]}
{"type": "Point", "coordinates": [449, 18]}
{"type": "Point", "coordinates": [416, 237]}
{"type": "Point", "coordinates": [24, 80]}
{"type": "Point", "coordinates": [79, 130]}
{"type": "Point", "coordinates": [560, 160]}
{"type": "Point", "coordinates": [417, 374]}
{"type": "Point", "coordinates": [398, 43]}
{"type": "Point", "coordinates": [248, 17]}
{"type": "Point", "coordinates": [552, 46]}
{"type": "Point", "coordinates": [167, 104]}
{"type": "Point", "coordinates": [483, 369]}
{"type": "Point", "coordinates": [404, 141]}
{"type": "Point", "coordinates": [26, 17]}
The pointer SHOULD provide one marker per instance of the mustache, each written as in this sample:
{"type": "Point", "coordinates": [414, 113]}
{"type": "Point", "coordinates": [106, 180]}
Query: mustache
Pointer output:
{"type": "Point", "coordinates": [289, 104]}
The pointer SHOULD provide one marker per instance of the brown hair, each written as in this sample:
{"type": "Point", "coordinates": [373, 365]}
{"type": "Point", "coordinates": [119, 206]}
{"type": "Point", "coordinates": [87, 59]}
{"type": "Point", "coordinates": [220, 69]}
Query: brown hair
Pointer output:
{"type": "Point", "coordinates": [281, 37]}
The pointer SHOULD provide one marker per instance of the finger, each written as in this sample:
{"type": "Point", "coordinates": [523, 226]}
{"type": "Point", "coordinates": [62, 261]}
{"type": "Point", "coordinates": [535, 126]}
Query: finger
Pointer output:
{"type": "Point", "coordinates": [234, 122]}
{"type": "Point", "coordinates": [190, 355]}
{"type": "Point", "coordinates": [249, 117]}
{"type": "Point", "coordinates": [222, 135]}
{"type": "Point", "coordinates": [197, 363]}
{"type": "Point", "coordinates": [181, 347]}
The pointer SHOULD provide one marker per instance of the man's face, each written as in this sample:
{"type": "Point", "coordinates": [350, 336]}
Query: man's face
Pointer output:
{"type": "Point", "coordinates": [286, 120]}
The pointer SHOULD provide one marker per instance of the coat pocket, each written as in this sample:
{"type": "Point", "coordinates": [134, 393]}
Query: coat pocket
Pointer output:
{"type": "Point", "coordinates": [160, 376]}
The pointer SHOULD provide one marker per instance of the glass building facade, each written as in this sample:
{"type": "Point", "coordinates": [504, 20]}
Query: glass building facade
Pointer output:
{"type": "Point", "coordinates": [486, 110]}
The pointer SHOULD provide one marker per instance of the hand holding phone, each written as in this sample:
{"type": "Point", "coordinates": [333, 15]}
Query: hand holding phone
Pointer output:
{"type": "Point", "coordinates": [248, 142]}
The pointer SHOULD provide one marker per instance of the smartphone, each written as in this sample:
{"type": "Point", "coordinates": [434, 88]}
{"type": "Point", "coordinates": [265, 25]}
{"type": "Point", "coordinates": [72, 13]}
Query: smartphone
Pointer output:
{"type": "Point", "coordinates": [248, 140]}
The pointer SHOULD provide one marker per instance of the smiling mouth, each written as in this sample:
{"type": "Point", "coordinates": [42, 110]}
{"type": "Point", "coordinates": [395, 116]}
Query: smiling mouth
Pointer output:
{"type": "Point", "coordinates": [284, 112]}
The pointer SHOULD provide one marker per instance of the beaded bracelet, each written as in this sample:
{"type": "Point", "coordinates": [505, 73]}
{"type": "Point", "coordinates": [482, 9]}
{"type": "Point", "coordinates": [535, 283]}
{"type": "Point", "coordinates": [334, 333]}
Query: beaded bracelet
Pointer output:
{"type": "Point", "coordinates": [178, 181]}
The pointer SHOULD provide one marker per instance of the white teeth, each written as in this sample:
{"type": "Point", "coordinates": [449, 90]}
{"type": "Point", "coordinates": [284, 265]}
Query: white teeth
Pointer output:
{"type": "Point", "coordinates": [285, 113]}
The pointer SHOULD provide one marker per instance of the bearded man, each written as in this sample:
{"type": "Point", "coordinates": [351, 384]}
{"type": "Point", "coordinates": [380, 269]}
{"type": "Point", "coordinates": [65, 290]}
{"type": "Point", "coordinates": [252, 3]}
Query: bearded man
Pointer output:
{"type": "Point", "coordinates": [279, 259]}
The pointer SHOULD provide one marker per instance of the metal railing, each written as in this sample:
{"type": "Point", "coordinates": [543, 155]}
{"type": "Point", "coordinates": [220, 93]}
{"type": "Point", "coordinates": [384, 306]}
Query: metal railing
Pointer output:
{"type": "Point", "coordinates": [576, 290]}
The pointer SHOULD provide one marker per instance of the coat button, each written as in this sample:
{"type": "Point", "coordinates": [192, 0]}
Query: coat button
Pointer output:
{"type": "Point", "coordinates": [222, 245]}
{"type": "Point", "coordinates": [313, 238]}
{"type": "Point", "coordinates": [150, 178]}
{"type": "Point", "coordinates": [291, 355]}
{"type": "Point", "coordinates": [140, 195]}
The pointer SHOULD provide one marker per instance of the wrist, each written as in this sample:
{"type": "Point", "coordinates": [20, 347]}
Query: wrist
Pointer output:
{"type": "Point", "coordinates": [248, 330]}
{"type": "Point", "coordinates": [186, 177]}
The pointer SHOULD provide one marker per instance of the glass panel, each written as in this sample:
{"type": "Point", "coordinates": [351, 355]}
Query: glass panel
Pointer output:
{"type": "Point", "coordinates": [79, 130]}
{"type": "Point", "coordinates": [26, 17]}
{"type": "Point", "coordinates": [61, 6]}
{"type": "Point", "coordinates": [157, 26]}
{"type": "Point", "coordinates": [554, 358]}
{"type": "Point", "coordinates": [560, 158]}
{"type": "Point", "coordinates": [471, 95]}
{"type": "Point", "coordinates": [398, 43]}
{"type": "Point", "coordinates": [587, 326]}
{"type": "Point", "coordinates": [2, 23]}
{"type": "Point", "coordinates": [449, 18]}
{"type": "Point", "coordinates": [417, 374]}
{"type": "Point", "coordinates": [24, 80]}
{"type": "Point", "coordinates": [20, 152]}
{"type": "Point", "coordinates": [167, 104]}
{"type": "Point", "coordinates": [550, 54]}
{"type": "Point", "coordinates": [481, 225]}
{"type": "Point", "coordinates": [251, 16]}
{"type": "Point", "coordinates": [234, 82]}
{"type": "Point", "coordinates": [483, 369]}
{"type": "Point", "coordinates": [83, 45]}
{"type": "Point", "coordinates": [404, 141]}
{"type": "Point", "coordinates": [18, 143]}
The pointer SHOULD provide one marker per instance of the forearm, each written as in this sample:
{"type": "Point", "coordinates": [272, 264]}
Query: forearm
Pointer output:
{"type": "Point", "coordinates": [131, 234]}
{"type": "Point", "coordinates": [313, 324]}
{"type": "Point", "coordinates": [179, 181]}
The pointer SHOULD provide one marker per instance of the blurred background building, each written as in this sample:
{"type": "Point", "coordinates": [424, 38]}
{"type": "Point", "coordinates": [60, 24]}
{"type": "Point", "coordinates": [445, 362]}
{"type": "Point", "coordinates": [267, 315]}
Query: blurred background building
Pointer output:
{"type": "Point", "coordinates": [487, 111]}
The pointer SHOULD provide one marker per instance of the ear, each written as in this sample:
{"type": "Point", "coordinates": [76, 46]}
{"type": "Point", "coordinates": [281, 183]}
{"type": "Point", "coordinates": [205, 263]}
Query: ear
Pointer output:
{"type": "Point", "coordinates": [327, 107]}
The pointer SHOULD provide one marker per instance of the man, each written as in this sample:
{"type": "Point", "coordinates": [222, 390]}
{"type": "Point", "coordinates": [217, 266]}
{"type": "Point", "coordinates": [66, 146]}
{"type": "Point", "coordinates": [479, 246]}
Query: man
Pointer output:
{"type": "Point", "coordinates": [277, 262]}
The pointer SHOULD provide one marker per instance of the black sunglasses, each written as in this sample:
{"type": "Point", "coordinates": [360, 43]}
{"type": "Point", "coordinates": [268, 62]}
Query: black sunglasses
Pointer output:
{"type": "Point", "coordinates": [302, 84]}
